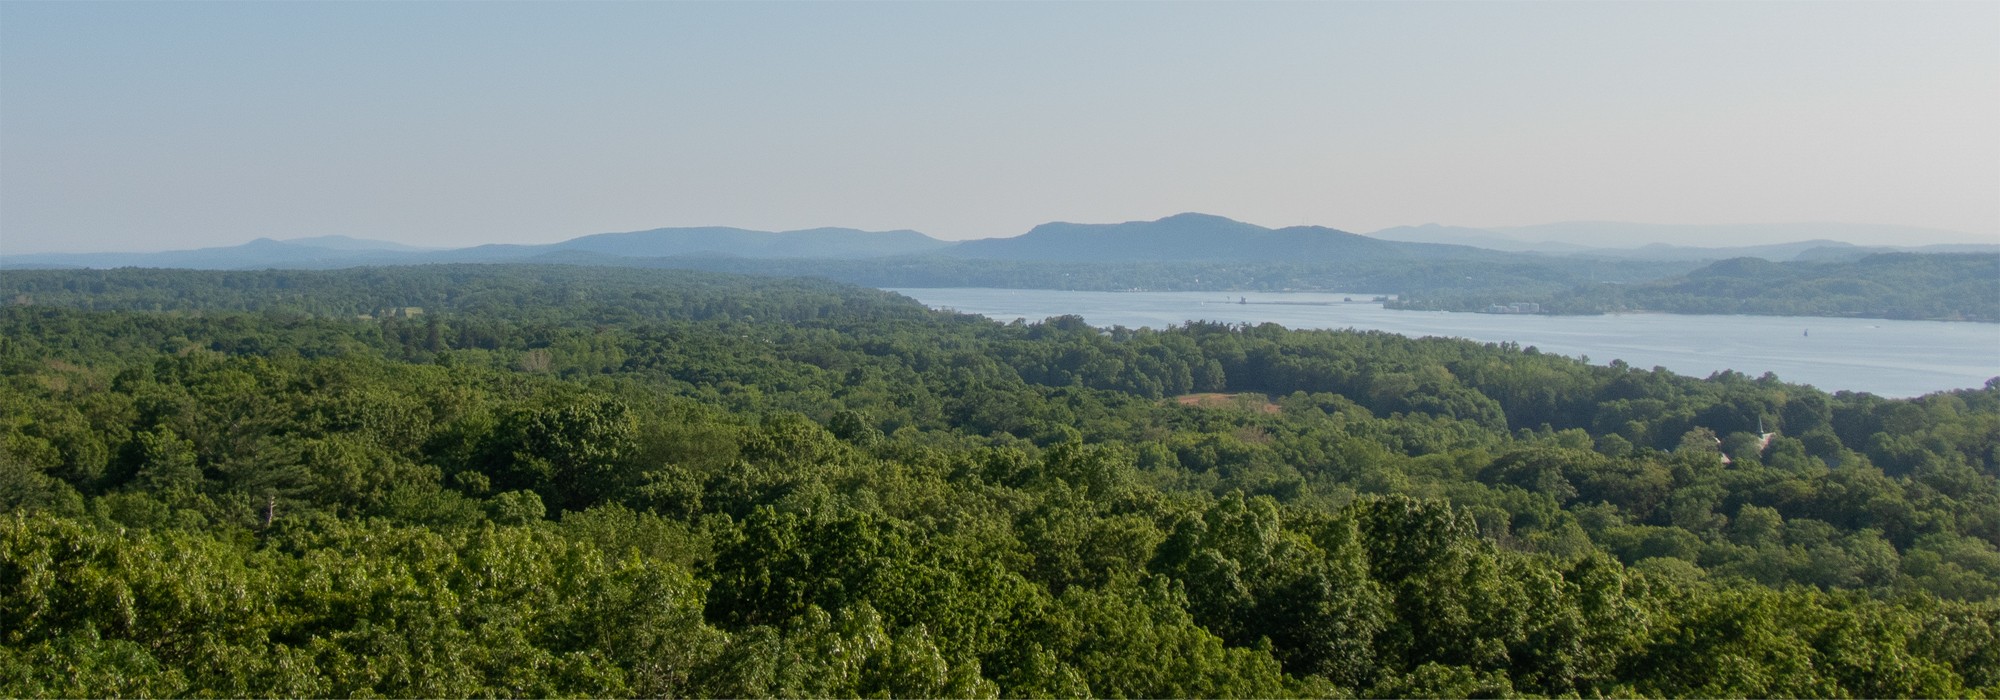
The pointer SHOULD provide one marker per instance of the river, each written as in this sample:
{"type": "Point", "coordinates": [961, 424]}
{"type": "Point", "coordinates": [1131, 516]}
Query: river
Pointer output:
{"type": "Point", "coordinates": [1887, 358]}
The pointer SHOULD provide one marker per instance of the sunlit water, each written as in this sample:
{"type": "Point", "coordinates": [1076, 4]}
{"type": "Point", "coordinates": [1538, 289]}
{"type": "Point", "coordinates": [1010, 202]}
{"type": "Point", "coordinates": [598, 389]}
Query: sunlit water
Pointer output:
{"type": "Point", "coordinates": [1889, 358]}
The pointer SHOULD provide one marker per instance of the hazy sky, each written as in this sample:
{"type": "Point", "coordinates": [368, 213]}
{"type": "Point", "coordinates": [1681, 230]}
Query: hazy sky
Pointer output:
{"type": "Point", "coordinates": [176, 125]}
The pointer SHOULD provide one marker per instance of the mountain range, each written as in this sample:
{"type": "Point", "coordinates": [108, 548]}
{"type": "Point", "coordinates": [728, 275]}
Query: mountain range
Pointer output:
{"type": "Point", "coordinates": [1596, 239]}
{"type": "Point", "coordinates": [1198, 237]}
{"type": "Point", "coordinates": [1183, 237]}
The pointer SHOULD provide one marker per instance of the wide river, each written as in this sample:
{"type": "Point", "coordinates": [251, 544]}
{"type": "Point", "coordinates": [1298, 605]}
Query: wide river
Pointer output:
{"type": "Point", "coordinates": [1888, 358]}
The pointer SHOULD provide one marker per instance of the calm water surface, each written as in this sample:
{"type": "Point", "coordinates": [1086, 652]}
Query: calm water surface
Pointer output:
{"type": "Point", "coordinates": [1890, 358]}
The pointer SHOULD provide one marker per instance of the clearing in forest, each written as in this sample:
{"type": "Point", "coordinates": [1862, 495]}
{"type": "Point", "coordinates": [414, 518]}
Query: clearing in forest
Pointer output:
{"type": "Point", "coordinates": [1255, 402]}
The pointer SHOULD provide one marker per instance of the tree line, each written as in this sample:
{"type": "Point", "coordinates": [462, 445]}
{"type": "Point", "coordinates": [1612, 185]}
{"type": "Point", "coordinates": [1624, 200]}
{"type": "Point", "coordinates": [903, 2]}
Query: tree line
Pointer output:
{"type": "Point", "coordinates": [1932, 286]}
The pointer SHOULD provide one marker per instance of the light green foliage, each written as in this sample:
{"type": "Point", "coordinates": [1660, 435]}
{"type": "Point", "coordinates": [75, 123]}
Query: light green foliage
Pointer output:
{"type": "Point", "coordinates": [334, 608]}
{"type": "Point", "coordinates": [850, 655]}
{"type": "Point", "coordinates": [576, 482]}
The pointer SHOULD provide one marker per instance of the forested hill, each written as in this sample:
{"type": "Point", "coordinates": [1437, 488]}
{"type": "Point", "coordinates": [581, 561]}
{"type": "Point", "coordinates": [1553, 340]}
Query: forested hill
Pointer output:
{"type": "Point", "coordinates": [1941, 286]}
{"type": "Point", "coordinates": [541, 481]}
{"type": "Point", "coordinates": [1204, 238]}
{"type": "Point", "coordinates": [1964, 286]}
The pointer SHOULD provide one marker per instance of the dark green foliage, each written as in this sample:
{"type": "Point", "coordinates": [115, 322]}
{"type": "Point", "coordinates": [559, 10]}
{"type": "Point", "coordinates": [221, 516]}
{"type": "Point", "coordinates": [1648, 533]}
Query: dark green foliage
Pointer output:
{"type": "Point", "coordinates": [1943, 286]}
{"type": "Point", "coordinates": [564, 482]}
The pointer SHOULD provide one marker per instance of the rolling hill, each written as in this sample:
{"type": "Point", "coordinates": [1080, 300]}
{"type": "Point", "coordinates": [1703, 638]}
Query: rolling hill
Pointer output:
{"type": "Point", "coordinates": [1200, 237]}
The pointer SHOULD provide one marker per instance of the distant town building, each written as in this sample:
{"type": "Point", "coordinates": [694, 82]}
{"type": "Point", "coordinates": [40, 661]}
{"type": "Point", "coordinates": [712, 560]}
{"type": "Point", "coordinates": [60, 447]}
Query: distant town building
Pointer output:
{"type": "Point", "coordinates": [397, 312]}
{"type": "Point", "coordinates": [1519, 307]}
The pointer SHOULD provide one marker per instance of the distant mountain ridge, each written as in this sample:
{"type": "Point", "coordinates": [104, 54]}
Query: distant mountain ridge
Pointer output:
{"type": "Point", "coordinates": [726, 241]}
{"type": "Point", "coordinates": [1592, 240]}
{"type": "Point", "coordinates": [1475, 237]}
{"type": "Point", "coordinates": [341, 251]}
{"type": "Point", "coordinates": [351, 243]}
{"type": "Point", "coordinates": [1188, 237]}
{"type": "Point", "coordinates": [262, 252]}
{"type": "Point", "coordinates": [1198, 237]}
{"type": "Point", "coordinates": [1607, 234]}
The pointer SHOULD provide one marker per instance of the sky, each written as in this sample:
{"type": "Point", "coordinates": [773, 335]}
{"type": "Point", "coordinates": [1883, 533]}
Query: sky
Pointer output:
{"type": "Point", "coordinates": [178, 125]}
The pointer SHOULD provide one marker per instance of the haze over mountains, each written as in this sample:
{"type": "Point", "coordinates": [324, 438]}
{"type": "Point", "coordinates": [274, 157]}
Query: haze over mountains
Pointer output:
{"type": "Point", "coordinates": [1775, 242]}
{"type": "Point", "coordinates": [1182, 237]}
{"type": "Point", "coordinates": [1615, 234]}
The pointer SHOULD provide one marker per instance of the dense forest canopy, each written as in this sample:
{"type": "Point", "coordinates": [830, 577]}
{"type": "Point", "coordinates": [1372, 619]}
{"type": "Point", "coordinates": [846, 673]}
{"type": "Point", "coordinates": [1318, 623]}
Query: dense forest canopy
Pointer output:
{"type": "Point", "coordinates": [1501, 277]}
{"type": "Point", "coordinates": [541, 481]}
